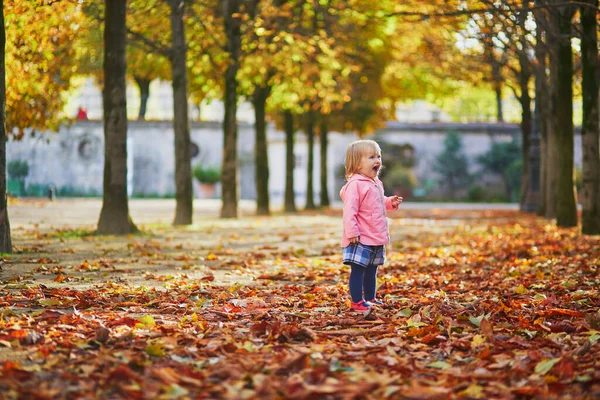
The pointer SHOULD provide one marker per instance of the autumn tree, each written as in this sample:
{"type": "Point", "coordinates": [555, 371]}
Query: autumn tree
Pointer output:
{"type": "Point", "coordinates": [40, 61]}
{"type": "Point", "coordinates": [261, 41]}
{"type": "Point", "coordinates": [146, 58]}
{"type": "Point", "coordinates": [362, 49]}
{"type": "Point", "coordinates": [152, 15]}
{"type": "Point", "coordinates": [181, 123]}
{"type": "Point", "coordinates": [335, 38]}
{"type": "Point", "coordinates": [5, 238]}
{"type": "Point", "coordinates": [590, 191]}
{"type": "Point", "coordinates": [145, 68]}
{"type": "Point", "coordinates": [288, 63]}
{"type": "Point", "coordinates": [114, 216]}
{"type": "Point", "coordinates": [507, 44]}
{"type": "Point", "coordinates": [232, 26]}
{"type": "Point", "coordinates": [546, 206]}
{"type": "Point", "coordinates": [185, 34]}
{"type": "Point", "coordinates": [562, 99]}
{"type": "Point", "coordinates": [279, 40]}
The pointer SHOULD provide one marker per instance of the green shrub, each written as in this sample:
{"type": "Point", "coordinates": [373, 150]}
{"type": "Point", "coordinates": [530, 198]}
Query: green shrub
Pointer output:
{"type": "Point", "coordinates": [36, 190]}
{"type": "Point", "coordinates": [512, 175]}
{"type": "Point", "coordinates": [504, 159]}
{"type": "Point", "coordinates": [400, 180]}
{"type": "Point", "coordinates": [452, 164]}
{"type": "Point", "coordinates": [18, 169]}
{"type": "Point", "coordinates": [209, 174]}
{"type": "Point", "coordinates": [476, 193]}
{"type": "Point", "coordinates": [71, 191]}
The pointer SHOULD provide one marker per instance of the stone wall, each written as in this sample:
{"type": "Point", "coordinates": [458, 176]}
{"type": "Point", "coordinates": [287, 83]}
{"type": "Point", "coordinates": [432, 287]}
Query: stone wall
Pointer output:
{"type": "Point", "coordinates": [74, 156]}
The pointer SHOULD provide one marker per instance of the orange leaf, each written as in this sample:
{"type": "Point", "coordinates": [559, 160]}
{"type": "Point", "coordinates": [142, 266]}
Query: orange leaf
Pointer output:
{"type": "Point", "coordinates": [561, 311]}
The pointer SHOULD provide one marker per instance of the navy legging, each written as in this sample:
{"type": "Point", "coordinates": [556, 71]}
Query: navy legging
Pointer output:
{"type": "Point", "coordinates": [362, 278]}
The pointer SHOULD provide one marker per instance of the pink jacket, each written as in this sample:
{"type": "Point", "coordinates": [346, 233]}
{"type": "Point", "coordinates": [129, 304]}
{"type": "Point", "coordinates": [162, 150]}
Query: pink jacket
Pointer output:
{"type": "Point", "coordinates": [365, 208]}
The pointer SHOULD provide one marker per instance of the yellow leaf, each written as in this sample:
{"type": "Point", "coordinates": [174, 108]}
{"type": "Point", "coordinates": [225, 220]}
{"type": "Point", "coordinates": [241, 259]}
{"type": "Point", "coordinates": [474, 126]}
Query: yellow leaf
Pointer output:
{"type": "Point", "coordinates": [477, 340]}
{"type": "Point", "coordinates": [49, 302]}
{"type": "Point", "coordinates": [156, 349]}
{"type": "Point", "coordinates": [473, 392]}
{"type": "Point", "coordinates": [147, 321]}
{"type": "Point", "coordinates": [544, 366]}
{"type": "Point", "coordinates": [521, 289]}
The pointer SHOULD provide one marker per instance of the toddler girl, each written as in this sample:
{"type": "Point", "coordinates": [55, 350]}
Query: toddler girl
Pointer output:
{"type": "Point", "coordinates": [365, 221]}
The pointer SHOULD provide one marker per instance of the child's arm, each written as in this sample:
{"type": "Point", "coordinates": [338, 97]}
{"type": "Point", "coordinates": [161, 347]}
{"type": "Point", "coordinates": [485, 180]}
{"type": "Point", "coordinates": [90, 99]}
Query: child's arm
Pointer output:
{"type": "Point", "coordinates": [392, 203]}
{"type": "Point", "coordinates": [351, 201]}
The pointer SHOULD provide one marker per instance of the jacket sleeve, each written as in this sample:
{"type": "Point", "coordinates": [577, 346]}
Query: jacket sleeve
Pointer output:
{"type": "Point", "coordinates": [388, 204]}
{"type": "Point", "coordinates": [351, 203]}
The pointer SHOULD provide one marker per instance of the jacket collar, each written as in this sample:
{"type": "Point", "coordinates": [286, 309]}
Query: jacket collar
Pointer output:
{"type": "Point", "coordinates": [359, 177]}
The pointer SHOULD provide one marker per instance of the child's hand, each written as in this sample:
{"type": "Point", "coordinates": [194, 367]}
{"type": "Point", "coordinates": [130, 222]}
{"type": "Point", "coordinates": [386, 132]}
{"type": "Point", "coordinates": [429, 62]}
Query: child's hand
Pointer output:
{"type": "Point", "coordinates": [396, 200]}
{"type": "Point", "coordinates": [354, 240]}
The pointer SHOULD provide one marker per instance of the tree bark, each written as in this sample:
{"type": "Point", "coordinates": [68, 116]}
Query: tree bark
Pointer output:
{"type": "Point", "coordinates": [323, 158]}
{"type": "Point", "coordinates": [566, 207]}
{"type": "Point", "coordinates": [229, 178]}
{"type": "Point", "coordinates": [590, 136]}
{"type": "Point", "coordinates": [144, 87]}
{"type": "Point", "coordinates": [526, 117]}
{"type": "Point", "coordinates": [184, 195]}
{"type": "Point", "coordinates": [261, 156]}
{"type": "Point", "coordinates": [310, 136]}
{"type": "Point", "coordinates": [114, 216]}
{"type": "Point", "coordinates": [499, 107]}
{"type": "Point", "coordinates": [526, 122]}
{"type": "Point", "coordinates": [5, 238]}
{"type": "Point", "coordinates": [551, 131]}
{"type": "Point", "coordinates": [541, 109]}
{"type": "Point", "coordinates": [290, 196]}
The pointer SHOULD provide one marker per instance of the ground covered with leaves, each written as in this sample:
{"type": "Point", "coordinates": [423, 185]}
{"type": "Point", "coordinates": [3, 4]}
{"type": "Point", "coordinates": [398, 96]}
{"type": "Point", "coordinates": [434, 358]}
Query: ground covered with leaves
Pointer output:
{"type": "Point", "coordinates": [478, 304]}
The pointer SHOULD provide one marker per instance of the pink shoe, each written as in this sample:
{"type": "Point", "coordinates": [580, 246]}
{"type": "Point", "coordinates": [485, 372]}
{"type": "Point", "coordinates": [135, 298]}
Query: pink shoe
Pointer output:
{"type": "Point", "coordinates": [360, 306]}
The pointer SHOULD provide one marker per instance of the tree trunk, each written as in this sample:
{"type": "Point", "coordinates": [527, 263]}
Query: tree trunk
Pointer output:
{"type": "Point", "coordinates": [590, 136]}
{"type": "Point", "coordinates": [310, 136]}
{"type": "Point", "coordinates": [526, 118]}
{"type": "Point", "coordinates": [290, 197]}
{"type": "Point", "coordinates": [496, 77]}
{"type": "Point", "coordinates": [184, 195]}
{"type": "Point", "coordinates": [566, 211]}
{"type": "Point", "coordinates": [323, 156]}
{"type": "Point", "coordinates": [261, 157]}
{"type": "Point", "coordinates": [551, 131]}
{"type": "Point", "coordinates": [541, 110]}
{"type": "Point", "coordinates": [144, 87]}
{"type": "Point", "coordinates": [5, 239]}
{"type": "Point", "coordinates": [499, 107]}
{"type": "Point", "coordinates": [114, 216]}
{"type": "Point", "coordinates": [230, 159]}
{"type": "Point", "coordinates": [526, 121]}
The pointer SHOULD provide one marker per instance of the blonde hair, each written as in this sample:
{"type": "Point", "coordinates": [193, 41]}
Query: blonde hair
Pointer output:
{"type": "Point", "coordinates": [354, 153]}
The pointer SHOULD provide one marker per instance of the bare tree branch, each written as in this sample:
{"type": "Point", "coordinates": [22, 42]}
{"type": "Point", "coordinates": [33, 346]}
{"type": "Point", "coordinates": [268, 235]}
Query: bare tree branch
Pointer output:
{"type": "Point", "coordinates": [492, 10]}
{"type": "Point", "coordinates": [149, 44]}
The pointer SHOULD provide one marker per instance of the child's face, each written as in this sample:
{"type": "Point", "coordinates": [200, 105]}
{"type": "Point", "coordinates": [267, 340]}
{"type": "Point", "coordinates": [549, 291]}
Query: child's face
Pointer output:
{"type": "Point", "coordinates": [370, 164]}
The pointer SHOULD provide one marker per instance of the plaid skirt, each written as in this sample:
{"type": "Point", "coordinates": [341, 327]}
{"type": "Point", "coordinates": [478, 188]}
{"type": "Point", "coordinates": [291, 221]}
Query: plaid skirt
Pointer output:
{"type": "Point", "coordinates": [363, 255]}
